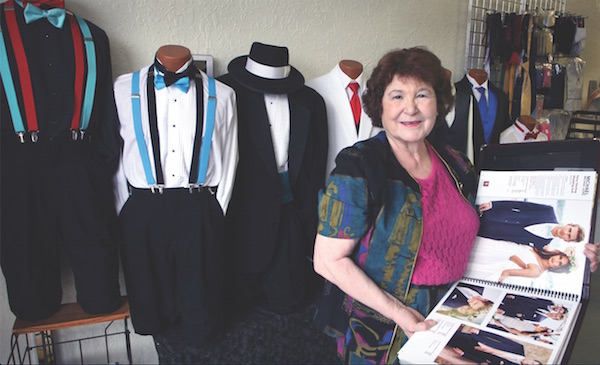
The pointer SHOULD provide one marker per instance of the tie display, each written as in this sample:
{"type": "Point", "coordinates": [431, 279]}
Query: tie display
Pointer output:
{"type": "Point", "coordinates": [482, 103]}
{"type": "Point", "coordinates": [55, 16]}
{"type": "Point", "coordinates": [355, 103]}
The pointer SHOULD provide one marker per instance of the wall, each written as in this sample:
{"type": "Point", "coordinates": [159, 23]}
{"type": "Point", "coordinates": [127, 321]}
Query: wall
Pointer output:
{"type": "Point", "coordinates": [318, 34]}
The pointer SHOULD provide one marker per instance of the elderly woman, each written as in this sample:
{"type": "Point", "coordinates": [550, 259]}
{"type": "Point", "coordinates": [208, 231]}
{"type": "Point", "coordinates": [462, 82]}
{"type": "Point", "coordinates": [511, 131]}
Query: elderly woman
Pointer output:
{"type": "Point", "coordinates": [397, 217]}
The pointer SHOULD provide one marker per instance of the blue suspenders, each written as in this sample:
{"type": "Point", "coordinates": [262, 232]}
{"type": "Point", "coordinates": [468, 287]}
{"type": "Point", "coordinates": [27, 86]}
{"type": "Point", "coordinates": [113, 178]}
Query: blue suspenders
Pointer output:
{"type": "Point", "coordinates": [141, 142]}
{"type": "Point", "coordinates": [90, 85]}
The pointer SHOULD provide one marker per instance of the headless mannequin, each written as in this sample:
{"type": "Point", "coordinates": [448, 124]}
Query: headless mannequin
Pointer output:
{"type": "Point", "coordinates": [527, 121]}
{"type": "Point", "coordinates": [479, 75]}
{"type": "Point", "coordinates": [173, 57]}
{"type": "Point", "coordinates": [351, 68]}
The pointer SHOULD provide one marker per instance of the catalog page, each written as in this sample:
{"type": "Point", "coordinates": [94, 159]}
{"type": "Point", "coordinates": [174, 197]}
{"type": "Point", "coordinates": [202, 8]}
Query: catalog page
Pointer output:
{"type": "Point", "coordinates": [480, 324]}
{"type": "Point", "coordinates": [533, 228]}
{"type": "Point", "coordinates": [520, 296]}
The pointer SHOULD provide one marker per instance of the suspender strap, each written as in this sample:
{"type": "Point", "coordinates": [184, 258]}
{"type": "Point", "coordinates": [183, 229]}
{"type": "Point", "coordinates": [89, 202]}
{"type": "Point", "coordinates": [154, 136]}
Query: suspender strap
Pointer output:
{"type": "Point", "coordinates": [193, 178]}
{"type": "Point", "coordinates": [79, 74]}
{"type": "Point", "coordinates": [23, 70]}
{"type": "Point", "coordinates": [137, 125]}
{"type": "Point", "coordinates": [90, 85]}
{"type": "Point", "coordinates": [154, 137]}
{"type": "Point", "coordinates": [210, 124]}
{"type": "Point", "coordinates": [9, 88]}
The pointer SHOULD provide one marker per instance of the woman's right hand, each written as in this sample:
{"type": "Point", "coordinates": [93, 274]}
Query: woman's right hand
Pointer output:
{"type": "Point", "coordinates": [411, 321]}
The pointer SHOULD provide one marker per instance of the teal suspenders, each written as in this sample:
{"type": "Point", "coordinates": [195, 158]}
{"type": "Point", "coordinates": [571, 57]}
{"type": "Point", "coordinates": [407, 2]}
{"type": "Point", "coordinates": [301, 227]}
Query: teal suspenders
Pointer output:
{"type": "Point", "coordinates": [141, 141]}
{"type": "Point", "coordinates": [90, 85]}
{"type": "Point", "coordinates": [210, 124]}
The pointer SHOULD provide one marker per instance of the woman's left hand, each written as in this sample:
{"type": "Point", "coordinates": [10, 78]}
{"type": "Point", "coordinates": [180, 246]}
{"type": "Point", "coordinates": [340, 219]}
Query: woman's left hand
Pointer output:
{"type": "Point", "coordinates": [591, 252]}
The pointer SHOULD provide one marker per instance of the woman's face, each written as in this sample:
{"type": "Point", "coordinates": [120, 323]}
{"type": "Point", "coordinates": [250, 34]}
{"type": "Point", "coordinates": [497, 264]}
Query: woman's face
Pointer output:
{"type": "Point", "coordinates": [409, 110]}
{"type": "Point", "coordinates": [558, 261]}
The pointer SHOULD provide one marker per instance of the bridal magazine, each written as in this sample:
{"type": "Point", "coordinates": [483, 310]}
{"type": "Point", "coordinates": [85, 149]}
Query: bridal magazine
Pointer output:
{"type": "Point", "coordinates": [521, 293]}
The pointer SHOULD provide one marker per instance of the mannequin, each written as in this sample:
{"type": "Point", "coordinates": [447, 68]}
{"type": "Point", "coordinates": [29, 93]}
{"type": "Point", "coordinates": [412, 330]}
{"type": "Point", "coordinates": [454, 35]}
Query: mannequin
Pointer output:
{"type": "Point", "coordinates": [342, 130]}
{"type": "Point", "coordinates": [273, 212]}
{"type": "Point", "coordinates": [180, 200]}
{"type": "Point", "coordinates": [467, 132]}
{"type": "Point", "coordinates": [524, 129]}
{"type": "Point", "coordinates": [351, 68]}
{"type": "Point", "coordinates": [479, 75]}
{"type": "Point", "coordinates": [71, 210]}
{"type": "Point", "coordinates": [173, 57]}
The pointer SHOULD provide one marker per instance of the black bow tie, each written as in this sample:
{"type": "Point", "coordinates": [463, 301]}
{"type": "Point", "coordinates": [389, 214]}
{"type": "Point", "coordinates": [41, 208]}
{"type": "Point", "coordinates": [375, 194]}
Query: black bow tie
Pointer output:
{"type": "Point", "coordinates": [171, 77]}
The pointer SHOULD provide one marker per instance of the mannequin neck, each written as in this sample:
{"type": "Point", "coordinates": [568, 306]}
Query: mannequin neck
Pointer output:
{"type": "Point", "coordinates": [479, 75]}
{"type": "Point", "coordinates": [351, 68]}
{"type": "Point", "coordinates": [173, 57]}
{"type": "Point", "coordinates": [527, 121]}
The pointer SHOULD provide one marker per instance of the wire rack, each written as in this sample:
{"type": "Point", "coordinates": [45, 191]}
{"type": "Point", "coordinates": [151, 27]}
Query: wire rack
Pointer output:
{"type": "Point", "coordinates": [478, 11]}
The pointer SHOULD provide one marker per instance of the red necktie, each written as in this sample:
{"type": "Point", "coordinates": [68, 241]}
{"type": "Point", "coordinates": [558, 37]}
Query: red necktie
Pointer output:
{"type": "Point", "coordinates": [355, 103]}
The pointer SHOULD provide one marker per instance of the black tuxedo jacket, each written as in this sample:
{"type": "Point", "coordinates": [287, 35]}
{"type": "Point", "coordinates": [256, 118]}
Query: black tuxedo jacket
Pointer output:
{"type": "Point", "coordinates": [253, 214]}
{"type": "Point", "coordinates": [457, 133]}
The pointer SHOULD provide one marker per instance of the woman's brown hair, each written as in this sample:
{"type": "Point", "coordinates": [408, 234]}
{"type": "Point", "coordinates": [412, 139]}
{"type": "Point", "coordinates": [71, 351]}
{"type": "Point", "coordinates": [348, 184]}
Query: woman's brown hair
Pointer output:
{"type": "Point", "coordinates": [414, 62]}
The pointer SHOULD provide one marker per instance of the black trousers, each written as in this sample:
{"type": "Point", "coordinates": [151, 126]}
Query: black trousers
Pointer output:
{"type": "Point", "coordinates": [173, 262]}
{"type": "Point", "coordinates": [57, 194]}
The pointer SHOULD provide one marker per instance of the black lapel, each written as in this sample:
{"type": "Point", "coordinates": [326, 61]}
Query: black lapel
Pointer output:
{"type": "Point", "coordinates": [299, 126]}
{"type": "Point", "coordinates": [259, 127]}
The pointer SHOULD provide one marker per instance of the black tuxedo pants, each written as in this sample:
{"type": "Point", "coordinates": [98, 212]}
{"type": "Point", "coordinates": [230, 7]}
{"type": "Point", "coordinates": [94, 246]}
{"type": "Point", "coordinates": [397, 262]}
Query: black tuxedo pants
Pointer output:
{"type": "Point", "coordinates": [173, 262]}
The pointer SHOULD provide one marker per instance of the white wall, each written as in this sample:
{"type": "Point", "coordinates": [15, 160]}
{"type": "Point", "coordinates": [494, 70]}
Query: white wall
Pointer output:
{"type": "Point", "coordinates": [318, 33]}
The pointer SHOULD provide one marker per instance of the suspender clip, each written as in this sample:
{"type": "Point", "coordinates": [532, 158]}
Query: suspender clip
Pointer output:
{"type": "Point", "coordinates": [74, 134]}
{"type": "Point", "coordinates": [34, 136]}
{"type": "Point", "coordinates": [82, 134]}
{"type": "Point", "coordinates": [191, 187]}
{"type": "Point", "coordinates": [21, 137]}
{"type": "Point", "coordinates": [159, 187]}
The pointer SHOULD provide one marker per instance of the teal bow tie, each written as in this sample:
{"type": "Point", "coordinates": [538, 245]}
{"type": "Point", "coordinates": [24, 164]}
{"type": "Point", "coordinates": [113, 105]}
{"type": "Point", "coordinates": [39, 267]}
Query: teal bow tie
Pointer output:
{"type": "Point", "coordinates": [182, 83]}
{"type": "Point", "coordinates": [55, 16]}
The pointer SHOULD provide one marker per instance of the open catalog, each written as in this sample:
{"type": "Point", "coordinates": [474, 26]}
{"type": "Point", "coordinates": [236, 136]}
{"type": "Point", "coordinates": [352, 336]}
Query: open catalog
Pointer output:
{"type": "Point", "coordinates": [521, 293]}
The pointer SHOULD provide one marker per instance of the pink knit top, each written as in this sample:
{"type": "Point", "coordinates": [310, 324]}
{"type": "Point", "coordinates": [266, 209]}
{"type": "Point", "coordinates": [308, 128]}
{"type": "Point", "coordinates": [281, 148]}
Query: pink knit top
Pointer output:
{"type": "Point", "coordinates": [450, 225]}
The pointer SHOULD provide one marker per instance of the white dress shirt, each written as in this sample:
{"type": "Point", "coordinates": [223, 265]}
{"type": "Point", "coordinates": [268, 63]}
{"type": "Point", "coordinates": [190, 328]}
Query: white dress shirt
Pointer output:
{"type": "Point", "coordinates": [516, 134]}
{"type": "Point", "coordinates": [278, 111]}
{"type": "Point", "coordinates": [176, 119]}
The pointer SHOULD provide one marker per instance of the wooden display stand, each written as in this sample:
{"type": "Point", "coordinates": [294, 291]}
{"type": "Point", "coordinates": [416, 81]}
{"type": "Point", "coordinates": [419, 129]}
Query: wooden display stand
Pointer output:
{"type": "Point", "coordinates": [69, 315]}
